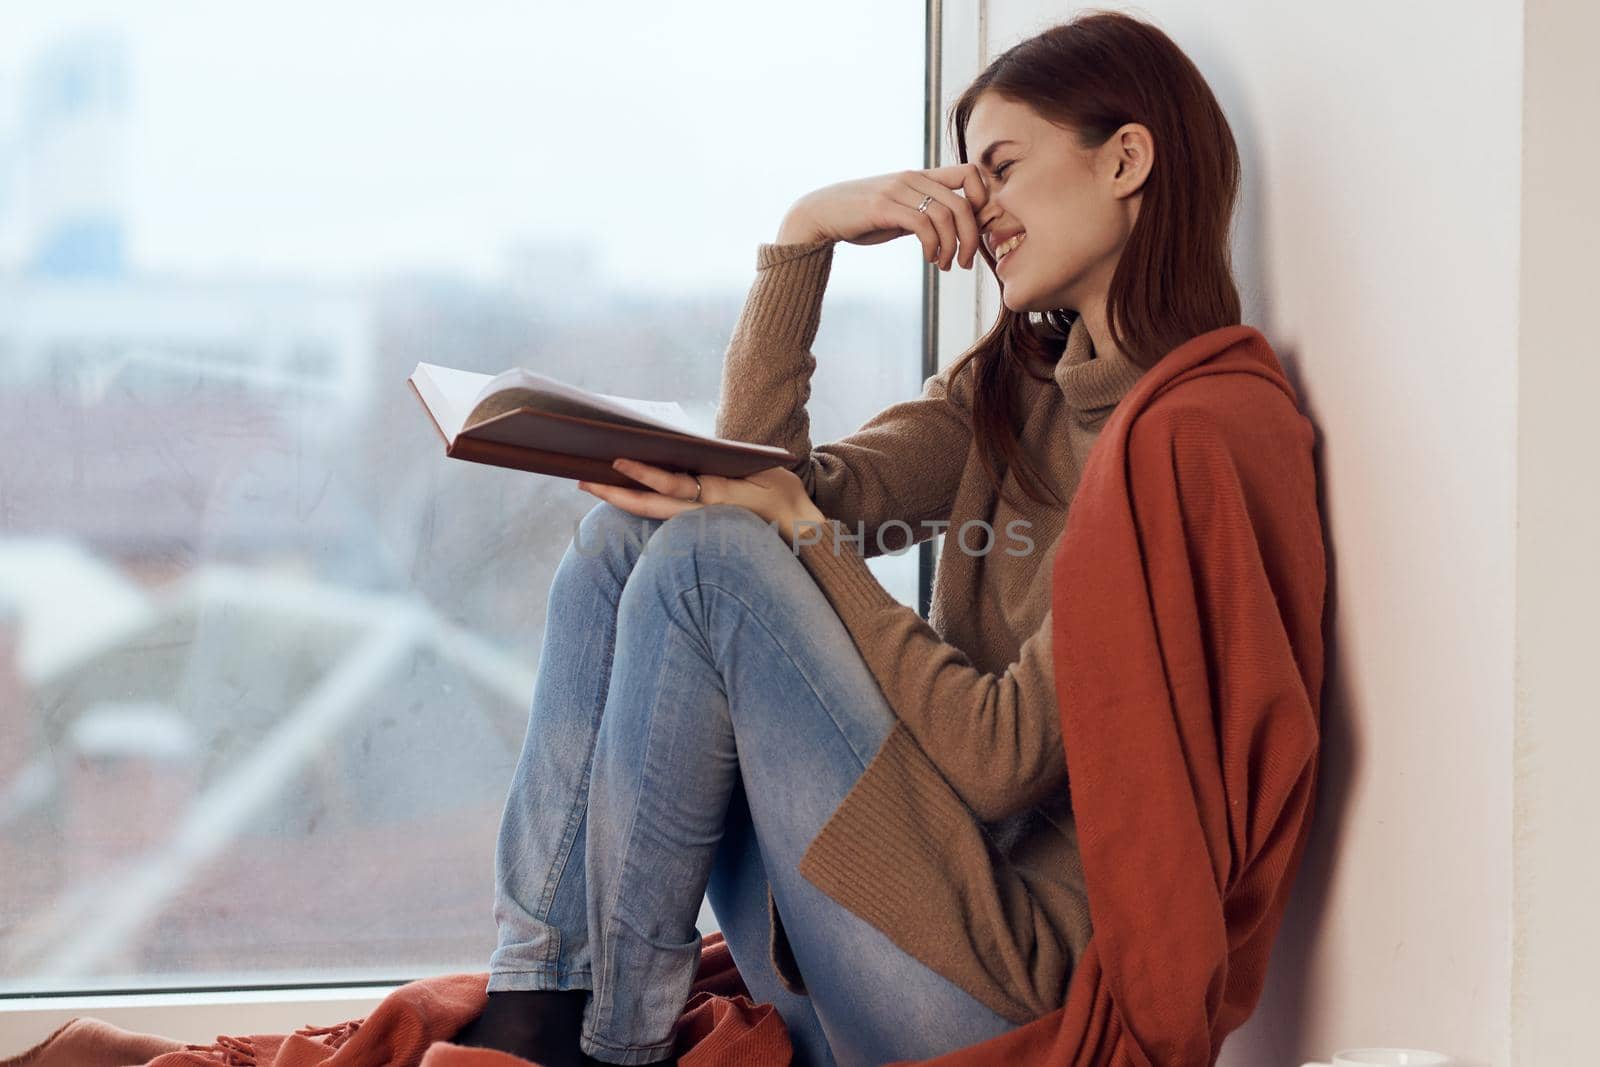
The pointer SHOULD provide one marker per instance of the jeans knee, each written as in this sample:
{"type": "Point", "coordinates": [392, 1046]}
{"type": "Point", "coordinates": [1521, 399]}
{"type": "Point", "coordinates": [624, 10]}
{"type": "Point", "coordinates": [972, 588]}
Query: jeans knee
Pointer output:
{"type": "Point", "coordinates": [724, 545]}
{"type": "Point", "coordinates": [604, 547]}
{"type": "Point", "coordinates": [608, 523]}
{"type": "Point", "coordinates": [721, 529]}
{"type": "Point", "coordinates": [607, 531]}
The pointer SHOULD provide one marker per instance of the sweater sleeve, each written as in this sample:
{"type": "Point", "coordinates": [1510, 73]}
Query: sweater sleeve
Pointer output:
{"type": "Point", "coordinates": [902, 467]}
{"type": "Point", "coordinates": [996, 738]}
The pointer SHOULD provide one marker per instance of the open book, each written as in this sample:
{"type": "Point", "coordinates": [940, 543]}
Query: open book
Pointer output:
{"type": "Point", "coordinates": [533, 422]}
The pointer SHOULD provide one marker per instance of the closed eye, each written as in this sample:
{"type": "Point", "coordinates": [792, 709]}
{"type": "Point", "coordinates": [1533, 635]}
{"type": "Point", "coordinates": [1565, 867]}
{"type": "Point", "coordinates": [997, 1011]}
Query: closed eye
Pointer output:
{"type": "Point", "coordinates": [998, 171]}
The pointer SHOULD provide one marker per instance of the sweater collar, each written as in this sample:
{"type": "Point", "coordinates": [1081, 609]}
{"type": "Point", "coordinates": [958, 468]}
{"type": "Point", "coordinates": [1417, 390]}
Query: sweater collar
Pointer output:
{"type": "Point", "coordinates": [1092, 384]}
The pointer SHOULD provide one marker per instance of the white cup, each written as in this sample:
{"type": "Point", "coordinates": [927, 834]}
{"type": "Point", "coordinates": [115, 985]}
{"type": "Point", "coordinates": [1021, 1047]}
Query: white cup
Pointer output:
{"type": "Point", "coordinates": [1385, 1057]}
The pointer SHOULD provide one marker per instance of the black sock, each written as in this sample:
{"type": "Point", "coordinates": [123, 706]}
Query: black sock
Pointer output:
{"type": "Point", "coordinates": [542, 1025]}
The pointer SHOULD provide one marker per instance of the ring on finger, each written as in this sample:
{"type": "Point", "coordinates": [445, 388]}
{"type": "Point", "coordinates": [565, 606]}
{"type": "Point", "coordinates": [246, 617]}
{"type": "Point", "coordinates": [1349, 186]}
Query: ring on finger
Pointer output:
{"type": "Point", "coordinates": [928, 198]}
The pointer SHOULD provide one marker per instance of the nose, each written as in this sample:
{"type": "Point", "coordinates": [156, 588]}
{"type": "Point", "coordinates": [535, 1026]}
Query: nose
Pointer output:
{"type": "Point", "coordinates": [986, 215]}
{"type": "Point", "coordinates": [987, 219]}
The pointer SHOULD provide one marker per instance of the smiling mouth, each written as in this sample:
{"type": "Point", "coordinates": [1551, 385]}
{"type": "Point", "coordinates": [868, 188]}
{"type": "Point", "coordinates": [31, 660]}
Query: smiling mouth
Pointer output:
{"type": "Point", "coordinates": [1015, 243]}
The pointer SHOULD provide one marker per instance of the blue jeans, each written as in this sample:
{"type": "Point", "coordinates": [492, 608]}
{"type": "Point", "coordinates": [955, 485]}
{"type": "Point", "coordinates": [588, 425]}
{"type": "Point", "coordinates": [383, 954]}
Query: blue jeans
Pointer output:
{"type": "Point", "coordinates": [699, 712]}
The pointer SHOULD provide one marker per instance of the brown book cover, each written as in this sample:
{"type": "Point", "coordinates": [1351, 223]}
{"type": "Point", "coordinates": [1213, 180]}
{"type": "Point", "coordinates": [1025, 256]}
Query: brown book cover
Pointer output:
{"type": "Point", "coordinates": [569, 433]}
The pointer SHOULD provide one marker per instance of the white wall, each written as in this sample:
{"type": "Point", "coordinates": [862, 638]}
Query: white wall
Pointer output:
{"type": "Point", "coordinates": [1557, 932]}
{"type": "Point", "coordinates": [1383, 245]}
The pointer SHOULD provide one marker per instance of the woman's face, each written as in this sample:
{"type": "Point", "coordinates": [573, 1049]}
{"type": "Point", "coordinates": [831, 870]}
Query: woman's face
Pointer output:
{"type": "Point", "coordinates": [1076, 206]}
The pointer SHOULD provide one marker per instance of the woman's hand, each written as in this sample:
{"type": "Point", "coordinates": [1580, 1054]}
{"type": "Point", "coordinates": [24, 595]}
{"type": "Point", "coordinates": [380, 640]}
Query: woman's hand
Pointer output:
{"type": "Point", "coordinates": [777, 495]}
{"type": "Point", "coordinates": [869, 211]}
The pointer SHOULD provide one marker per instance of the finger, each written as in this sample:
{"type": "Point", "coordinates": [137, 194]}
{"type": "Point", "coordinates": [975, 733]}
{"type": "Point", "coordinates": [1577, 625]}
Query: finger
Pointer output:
{"type": "Point", "coordinates": [909, 219]}
{"type": "Point", "coordinates": [957, 210]}
{"type": "Point", "coordinates": [912, 192]}
{"type": "Point", "coordinates": [646, 504]}
{"type": "Point", "coordinates": [662, 481]}
{"type": "Point", "coordinates": [966, 177]}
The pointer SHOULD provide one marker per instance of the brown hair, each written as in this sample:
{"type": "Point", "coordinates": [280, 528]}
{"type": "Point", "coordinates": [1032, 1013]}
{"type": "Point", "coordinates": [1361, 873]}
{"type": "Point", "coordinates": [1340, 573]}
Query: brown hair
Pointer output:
{"type": "Point", "coordinates": [1174, 279]}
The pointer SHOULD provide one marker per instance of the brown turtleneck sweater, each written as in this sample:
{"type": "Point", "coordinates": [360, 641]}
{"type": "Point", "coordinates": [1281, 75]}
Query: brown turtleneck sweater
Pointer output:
{"type": "Point", "coordinates": [958, 840]}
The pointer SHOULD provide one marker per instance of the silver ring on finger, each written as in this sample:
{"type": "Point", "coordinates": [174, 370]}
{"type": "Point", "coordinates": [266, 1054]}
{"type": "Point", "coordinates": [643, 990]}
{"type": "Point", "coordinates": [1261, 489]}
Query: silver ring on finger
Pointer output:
{"type": "Point", "coordinates": [698, 488]}
{"type": "Point", "coordinates": [926, 200]}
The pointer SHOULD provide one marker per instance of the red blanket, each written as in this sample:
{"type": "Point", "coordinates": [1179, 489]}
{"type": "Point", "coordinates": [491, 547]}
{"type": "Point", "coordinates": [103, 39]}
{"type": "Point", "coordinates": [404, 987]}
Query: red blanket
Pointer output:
{"type": "Point", "coordinates": [1188, 597]}
{"type": "Point", "coordinates": [412, 1025]}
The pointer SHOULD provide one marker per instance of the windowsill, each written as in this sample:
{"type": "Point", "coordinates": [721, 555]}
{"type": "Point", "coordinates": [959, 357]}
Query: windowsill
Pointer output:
{"type": "Point", "coordinates": [195, 1018]}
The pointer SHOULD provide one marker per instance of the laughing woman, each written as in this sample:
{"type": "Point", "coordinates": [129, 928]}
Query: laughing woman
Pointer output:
{"type": "Point", "coordinates": [729, 704]}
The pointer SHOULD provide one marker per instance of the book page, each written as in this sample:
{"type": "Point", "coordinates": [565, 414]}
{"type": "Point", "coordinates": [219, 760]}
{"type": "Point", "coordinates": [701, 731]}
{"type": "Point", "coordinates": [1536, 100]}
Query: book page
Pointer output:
{"type": "Point", "coordinates": [452, 393]}
{"type": "Point", "coordinates": [668, 411]}
{"type": "Point", "coordinates": [519, 387]}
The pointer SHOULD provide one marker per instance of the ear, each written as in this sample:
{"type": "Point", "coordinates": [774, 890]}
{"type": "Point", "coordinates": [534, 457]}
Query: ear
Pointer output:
{"type": "Point", "coordinates": [1133, 156]}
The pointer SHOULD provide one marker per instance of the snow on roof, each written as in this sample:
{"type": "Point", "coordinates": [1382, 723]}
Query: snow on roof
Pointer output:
{"type": "Point", "coordinates": [68, 602]}
{"type": "Point", "coordinates": [133, 728]}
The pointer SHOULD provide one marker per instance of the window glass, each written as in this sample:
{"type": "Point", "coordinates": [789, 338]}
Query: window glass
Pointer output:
{"type": "Point", "coordinates": [265, 652]}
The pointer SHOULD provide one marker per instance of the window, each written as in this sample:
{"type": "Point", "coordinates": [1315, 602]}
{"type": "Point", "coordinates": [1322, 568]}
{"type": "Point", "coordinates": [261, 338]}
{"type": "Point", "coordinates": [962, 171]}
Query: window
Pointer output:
{"type": "Point", "coordinates": [265, 653]}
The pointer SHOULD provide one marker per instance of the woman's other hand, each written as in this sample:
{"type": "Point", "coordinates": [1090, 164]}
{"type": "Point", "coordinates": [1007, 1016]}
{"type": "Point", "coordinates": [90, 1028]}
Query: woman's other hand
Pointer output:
{"type": "Point", "coordinates": [776, 494]}
{"type": "Point", "coordinates": [869, 211]}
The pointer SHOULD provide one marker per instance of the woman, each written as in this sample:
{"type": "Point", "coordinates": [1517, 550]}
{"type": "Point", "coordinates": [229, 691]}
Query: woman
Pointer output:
{"type": "Point", "coordinates": [728, 703]}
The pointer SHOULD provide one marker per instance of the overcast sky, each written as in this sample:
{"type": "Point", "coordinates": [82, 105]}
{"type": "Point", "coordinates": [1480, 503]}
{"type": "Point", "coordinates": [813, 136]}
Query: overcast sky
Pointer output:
{"type": "Point", "coordinates": [340, 139]}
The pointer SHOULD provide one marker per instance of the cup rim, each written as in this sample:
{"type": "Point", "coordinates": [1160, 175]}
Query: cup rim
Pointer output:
{"type": "Point", "coordinates": [1434, 1058]}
